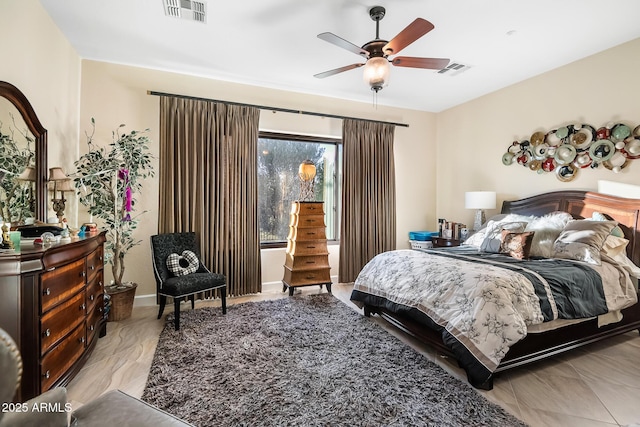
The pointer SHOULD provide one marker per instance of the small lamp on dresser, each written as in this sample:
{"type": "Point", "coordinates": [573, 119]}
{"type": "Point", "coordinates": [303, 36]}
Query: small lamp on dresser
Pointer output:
{"type": "Point", "coordinates": [307, 174]}
{"type": "Point", "coordinates": [479, 200]}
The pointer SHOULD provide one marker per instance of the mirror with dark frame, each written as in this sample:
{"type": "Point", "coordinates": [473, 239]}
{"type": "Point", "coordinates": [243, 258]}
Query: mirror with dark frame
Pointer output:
{"type": "Point", "coordinates": [23, 158]}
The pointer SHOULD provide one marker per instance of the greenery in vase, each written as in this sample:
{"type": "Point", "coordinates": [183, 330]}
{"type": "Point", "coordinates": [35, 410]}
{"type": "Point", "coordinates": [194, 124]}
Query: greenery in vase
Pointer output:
{"type": "Point", "coordinates": [107, 178]}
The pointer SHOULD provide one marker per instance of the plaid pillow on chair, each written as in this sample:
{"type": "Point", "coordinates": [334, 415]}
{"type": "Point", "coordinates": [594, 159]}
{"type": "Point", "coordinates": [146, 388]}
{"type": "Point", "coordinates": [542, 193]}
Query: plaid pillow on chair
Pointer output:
{"type": "Point", "coordinates": [180, 265]}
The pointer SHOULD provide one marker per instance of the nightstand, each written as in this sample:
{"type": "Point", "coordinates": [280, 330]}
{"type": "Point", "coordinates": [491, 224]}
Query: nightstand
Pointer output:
{"type": "Point", "coordinates": [441, 242]}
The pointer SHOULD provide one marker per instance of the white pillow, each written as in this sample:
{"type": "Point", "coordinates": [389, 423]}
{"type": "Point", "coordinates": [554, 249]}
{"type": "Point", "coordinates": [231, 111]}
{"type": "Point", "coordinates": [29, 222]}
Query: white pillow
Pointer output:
{"type": "Point", "coordinates": [478, 237]}
{"type": "Point", "coordinates": [616, 248]}
{"type": "Point", "coordinates": [547, 229]}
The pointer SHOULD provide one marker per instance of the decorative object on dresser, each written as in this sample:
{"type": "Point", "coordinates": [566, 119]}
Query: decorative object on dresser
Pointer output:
{"type": "Point", "coordinates": [479, 200]}
{"type": "Point", "coordinates": [307, 174]}
{"type": "Point", "coordinates": [51, 304]}
{"type": "Point", "coordinates": [106, 181]}
{"type": "Point", "coordinates": [568, 149]}
{"type": "Point", "coordinates": [59, 182]}
{"type": "Point", "coordinates": [307, 257]}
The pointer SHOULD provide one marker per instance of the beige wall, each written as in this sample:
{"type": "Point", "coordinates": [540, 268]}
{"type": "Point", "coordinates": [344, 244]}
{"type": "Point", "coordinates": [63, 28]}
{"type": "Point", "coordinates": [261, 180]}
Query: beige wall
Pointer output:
{"type": "Point", "coordinates": [39, 61]}
{"type": "Point", "coordinates": [115, 94]}
{"type": "Point", "coordinates": [472, 137]}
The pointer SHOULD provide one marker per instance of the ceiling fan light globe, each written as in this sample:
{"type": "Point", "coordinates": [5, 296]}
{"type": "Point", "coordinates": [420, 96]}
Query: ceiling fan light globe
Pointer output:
{"type": "Point", "coordinates": [376, 73]}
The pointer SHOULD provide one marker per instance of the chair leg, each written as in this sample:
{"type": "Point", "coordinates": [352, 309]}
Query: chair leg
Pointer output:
{"type": "Point", "coordinates": [193, 301]}
{"type": "Point", "coordinates": [223, 297]}
{"type": "Point", "coordinates": [176, 312]}
{"type": "Point", "coordinates": [163, 301]}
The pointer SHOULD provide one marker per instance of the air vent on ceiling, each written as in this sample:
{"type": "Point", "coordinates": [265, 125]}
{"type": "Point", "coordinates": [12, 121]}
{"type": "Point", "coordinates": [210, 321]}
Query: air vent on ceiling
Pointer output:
{"type": "Point", "coordinates": [454, 68]}
{"type": "Point", "coordinates": [191, 10]}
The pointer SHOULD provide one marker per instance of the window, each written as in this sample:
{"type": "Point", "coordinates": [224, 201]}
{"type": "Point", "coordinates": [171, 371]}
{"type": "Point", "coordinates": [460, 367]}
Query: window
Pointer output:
{"type": "Point", "coordinates": [279, 157]}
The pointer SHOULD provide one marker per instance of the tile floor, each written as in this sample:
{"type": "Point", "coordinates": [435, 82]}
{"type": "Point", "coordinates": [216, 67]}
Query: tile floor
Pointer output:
{"type": "Point", "coordinates": [598, 385]}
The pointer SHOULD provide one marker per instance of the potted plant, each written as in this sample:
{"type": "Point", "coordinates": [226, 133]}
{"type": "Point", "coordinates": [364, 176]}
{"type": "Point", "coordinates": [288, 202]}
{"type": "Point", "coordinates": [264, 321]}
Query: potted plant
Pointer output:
{"type": "Point", "coordinates": [107, 178]}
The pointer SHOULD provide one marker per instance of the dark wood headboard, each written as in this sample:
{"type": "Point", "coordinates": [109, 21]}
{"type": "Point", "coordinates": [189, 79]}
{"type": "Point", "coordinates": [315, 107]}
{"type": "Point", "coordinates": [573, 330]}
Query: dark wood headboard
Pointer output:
{"type": "Point", "coordinates": [582, 204]}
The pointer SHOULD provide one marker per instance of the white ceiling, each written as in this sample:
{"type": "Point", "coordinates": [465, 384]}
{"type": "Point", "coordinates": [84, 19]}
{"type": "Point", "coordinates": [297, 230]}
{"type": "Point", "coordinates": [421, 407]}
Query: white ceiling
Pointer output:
{"type": "Point", "coordinates": [273, 43]}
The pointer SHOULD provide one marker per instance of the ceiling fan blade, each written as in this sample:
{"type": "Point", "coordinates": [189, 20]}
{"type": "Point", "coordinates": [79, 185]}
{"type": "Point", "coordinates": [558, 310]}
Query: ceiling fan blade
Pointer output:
{"type": "Point", "coordinates": [340, 42]}
{"type": "Point", "coordinates": [337, 70]}
{"type": "Point", "coordinates": [430, 63]}
{"type": "Point", "coordinates": [411, 33]}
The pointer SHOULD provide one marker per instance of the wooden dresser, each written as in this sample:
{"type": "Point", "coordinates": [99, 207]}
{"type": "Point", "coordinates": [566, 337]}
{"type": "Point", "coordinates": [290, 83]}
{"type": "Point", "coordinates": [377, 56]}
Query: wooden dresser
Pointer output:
{"type": "Point", "coordinates": [307, 258]}
{"type": "Point", "coordinates": [52, 305]}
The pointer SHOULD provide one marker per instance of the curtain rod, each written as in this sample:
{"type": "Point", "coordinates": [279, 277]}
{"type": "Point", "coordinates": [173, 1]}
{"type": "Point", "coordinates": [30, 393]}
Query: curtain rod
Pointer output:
{"type": "Point", "coordinates": [282, 110]}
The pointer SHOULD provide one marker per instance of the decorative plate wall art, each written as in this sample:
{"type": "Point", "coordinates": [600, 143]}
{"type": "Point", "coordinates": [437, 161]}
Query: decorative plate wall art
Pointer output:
{"type": "Point", "coordinates": [568, 149]}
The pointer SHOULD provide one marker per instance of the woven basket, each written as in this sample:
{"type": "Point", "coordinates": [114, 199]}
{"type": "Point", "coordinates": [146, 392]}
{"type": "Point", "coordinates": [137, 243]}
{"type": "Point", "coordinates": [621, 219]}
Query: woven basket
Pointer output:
{"type": "Point", "coordinates": [121, 303]}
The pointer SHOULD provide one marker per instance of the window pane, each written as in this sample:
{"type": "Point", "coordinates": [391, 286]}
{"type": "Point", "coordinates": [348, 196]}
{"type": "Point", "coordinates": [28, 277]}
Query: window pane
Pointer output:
{"type": "Point", "coordinates": [279, 185]}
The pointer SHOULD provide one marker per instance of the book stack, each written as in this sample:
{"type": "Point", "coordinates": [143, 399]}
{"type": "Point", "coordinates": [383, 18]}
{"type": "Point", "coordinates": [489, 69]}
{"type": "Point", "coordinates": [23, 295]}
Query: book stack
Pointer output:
{"type": "Point", "coordinates": [452, 230]}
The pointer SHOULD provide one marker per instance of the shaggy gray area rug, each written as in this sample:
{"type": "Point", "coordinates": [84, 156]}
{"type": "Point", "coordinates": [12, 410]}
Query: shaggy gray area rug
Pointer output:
{"type": "Point", "coordinates": [304, 361]}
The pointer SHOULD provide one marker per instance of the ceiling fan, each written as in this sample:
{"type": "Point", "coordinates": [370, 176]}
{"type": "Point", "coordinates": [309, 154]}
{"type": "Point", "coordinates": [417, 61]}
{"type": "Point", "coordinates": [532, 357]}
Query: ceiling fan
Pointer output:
{"type": "Point", "coordinates": [377, 51]}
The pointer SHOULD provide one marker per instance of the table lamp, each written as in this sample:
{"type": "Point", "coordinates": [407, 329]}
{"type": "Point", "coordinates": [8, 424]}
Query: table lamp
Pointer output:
{"type": "Point", "coordinates": [479, 200]}
{"type": "Point", "coordinates": [307, 174]}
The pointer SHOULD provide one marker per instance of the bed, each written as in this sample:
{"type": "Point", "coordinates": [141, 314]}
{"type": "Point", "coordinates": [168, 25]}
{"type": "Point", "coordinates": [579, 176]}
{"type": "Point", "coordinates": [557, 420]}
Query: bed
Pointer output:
{"type": "Point", "coordinates": [539, 306]}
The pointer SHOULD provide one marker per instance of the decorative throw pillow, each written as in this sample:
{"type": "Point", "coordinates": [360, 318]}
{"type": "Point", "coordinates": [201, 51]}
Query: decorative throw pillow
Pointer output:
{"type": "Point", "coordinates": [492, 238]}
{"type": "Point", "coordinates": [516, 245]}
{"type": "Point", "coordinates": [582, 240]}
{"type": "Point", "coordinates": [547, 229]}
{"type": "Point", "coordinates": [617, 231]}
{"type": "Point", "coordinates": [180, 265]}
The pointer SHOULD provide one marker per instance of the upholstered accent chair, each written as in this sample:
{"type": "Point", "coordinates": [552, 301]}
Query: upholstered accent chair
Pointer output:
{"type": "Point", "coordinates": [113, 408]}
{"type": "Point", "coordinates": [175, 251]}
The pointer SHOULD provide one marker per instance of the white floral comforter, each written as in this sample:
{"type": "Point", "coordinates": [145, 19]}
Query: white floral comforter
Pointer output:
{"type": "Point", "coordinates": [483, 305]}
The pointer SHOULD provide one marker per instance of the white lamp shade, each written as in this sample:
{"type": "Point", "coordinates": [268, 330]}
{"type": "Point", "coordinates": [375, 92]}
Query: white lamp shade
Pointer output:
{"type": "Point", "coordinates": [480, 200]}
{"type": "Point", "coordinates": [376, 73]}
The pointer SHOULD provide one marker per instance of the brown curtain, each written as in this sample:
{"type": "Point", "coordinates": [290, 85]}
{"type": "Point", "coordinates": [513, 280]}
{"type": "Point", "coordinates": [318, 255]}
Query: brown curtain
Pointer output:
{"type": "Point", "coordinates": [368, 222]}
{"type": "Point", "coordinates": [208, 184]}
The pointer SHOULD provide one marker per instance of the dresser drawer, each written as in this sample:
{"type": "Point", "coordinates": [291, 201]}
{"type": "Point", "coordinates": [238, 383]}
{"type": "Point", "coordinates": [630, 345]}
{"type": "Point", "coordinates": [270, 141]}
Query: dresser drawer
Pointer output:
{"type": "Point", "coordinates": [306, 261]}
{"type": "Point", "coordinates": [306, 277]}
{"type": "Point", "coordinates": [57, 323]}
{"type": "Point", "coordinates": [309, 221]}
{"type": "Point", "coordinates": [60, 283]}
{"type": "Point", "coordinates": [307, 208]}
{"type": "Point", "coordinates": [300, 234]}
{"type": "Point", "coordinates": [318, 247]}
{"type": "Point", "coordinates": [95, 264]}
{"type": "Point", "coordinates": [62, 357]}
{"type": "Point", "coordinates": [94, 318]}
{"type": "Point", "coordinates": [93, 292]}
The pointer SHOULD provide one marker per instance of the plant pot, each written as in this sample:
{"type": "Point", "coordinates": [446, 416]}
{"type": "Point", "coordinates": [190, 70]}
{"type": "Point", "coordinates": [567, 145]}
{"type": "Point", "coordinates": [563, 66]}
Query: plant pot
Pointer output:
{"type": "Point", "coordinates": [121, 302]}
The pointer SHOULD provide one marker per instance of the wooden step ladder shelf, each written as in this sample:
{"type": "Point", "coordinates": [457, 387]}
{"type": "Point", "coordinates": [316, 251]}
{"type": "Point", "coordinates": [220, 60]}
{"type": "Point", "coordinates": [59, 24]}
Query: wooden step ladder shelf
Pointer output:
{"type": "Point", "coordinates": [307, 258]}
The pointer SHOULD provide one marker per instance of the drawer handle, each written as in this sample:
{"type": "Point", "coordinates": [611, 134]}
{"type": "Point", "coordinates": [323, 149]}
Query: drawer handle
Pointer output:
{"type": "Point", "coordinates": [82, 340]}
{"type": "Point", "coordinates": [46, 375]}
{"type": "Point", "coordinates": [92, 327]}
{"type": "Point", "coordinates": [92, 267]}
{"type": "Point", "coordinates": [83, 274]}
{"type": "Point", "coordinates": [100, 283]}
{"type": "Point", "coordinates": [51, 268]}
{"type": "Point", "coordinates": [47, 332]}
{"type": "Point", "coordinates": [310, 220]}
{"type": "Point", "coordinates": [311, 247]}
{"type": "Point", "coordinates": [100, 309]}
{"type": "Point", "coordinates": [46, 291]}
{"type": "Point", "coordinates": [311, 262]}
{"type": "Point", "coordinates": [100, 257]}
{"type": "Point", "coordinates": [311, 233]}
{"type": "Point", "coordinates": [83, 306]}
{"type": "Point", "coordinates": [310, 276]}
{"type": "Point", "coordinates": [92, 297]}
